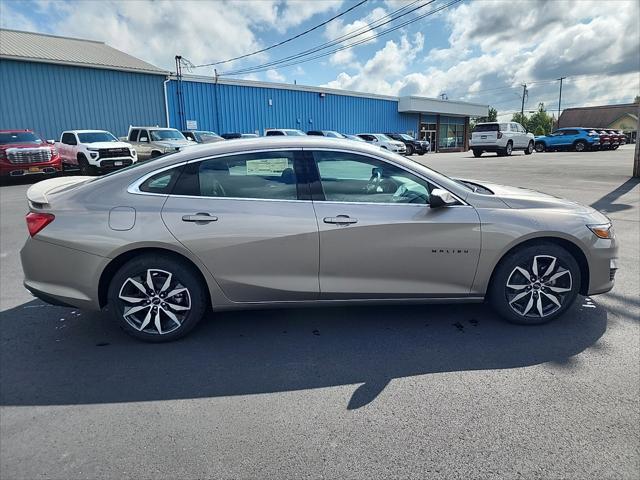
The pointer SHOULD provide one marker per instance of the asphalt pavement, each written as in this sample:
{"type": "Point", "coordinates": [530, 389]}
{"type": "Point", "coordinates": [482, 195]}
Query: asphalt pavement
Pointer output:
{"type": "Point", "coordinates": [359, 392]}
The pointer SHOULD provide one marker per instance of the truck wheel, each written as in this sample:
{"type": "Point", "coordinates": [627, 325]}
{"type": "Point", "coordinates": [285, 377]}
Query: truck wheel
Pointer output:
{"type": "Point", "coordinates": [529, 149]}
{"type": "Point", "coordinates": [155, 154]}
{"type": "Point", "coordinates": [477, 153]}
{"type": "Point", "coordinates": [86, 169]}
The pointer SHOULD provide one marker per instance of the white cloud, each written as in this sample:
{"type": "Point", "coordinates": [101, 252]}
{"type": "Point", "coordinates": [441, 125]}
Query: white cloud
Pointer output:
{"type": "Point", "coordinates": [274, 76]}
{"type": "Point", "coordinates": [495, 45]}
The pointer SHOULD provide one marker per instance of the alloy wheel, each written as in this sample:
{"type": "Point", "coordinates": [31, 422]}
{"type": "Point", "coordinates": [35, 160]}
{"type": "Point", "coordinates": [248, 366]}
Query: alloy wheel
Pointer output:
{"type": "Point", "coordinates": [154, 302]}
{"type": "Point", "coordinates": [538, 288]}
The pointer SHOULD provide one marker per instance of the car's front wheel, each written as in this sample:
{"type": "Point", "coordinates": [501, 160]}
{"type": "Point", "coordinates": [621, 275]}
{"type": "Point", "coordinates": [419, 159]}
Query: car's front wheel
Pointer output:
{"type": "Point", "coordinates": [409, 150]}
{"type": "Point", "coordinates": [535, 284]}
{"type": "Point", "coordinates": [156, 298]}
{"type": "Point", "coordinates": [529, 149]}
{"type": "Point", "coordinates": [540, 147]}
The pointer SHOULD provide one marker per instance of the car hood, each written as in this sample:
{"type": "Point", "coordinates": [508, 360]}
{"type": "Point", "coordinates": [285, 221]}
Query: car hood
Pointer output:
{"type": "Point", "coordinates": [109, 145]}
{"type": "Point", "coordinates": [518, 197]}
{"type": "Point", "coordinates": [174, 143]}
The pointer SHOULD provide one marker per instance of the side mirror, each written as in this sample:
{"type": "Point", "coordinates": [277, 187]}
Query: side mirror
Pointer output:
{"type": "Point", "coordinates": [143, 139]}
{"type": "Point", "coordinates": [51, 142]}
{"type": "Point", "coordinates": [441, 198]}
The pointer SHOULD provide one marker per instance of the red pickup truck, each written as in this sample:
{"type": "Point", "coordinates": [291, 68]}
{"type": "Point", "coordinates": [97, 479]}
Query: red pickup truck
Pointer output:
{"type": "Point", "coordinates": [22, 152]}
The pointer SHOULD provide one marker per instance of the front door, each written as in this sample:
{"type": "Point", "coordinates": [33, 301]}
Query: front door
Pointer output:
{"type": "Point", "coordinates": [380, 239]}
{"type": "Point", "coordinates": [242, 216]}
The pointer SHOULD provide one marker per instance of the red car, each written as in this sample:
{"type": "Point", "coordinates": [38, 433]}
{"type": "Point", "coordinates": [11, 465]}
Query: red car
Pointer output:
{"type": "Point", "coordinates": [22, 152]}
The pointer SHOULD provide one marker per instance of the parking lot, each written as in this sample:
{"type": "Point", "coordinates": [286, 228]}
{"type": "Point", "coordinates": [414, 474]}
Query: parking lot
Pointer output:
{"type": "Point", "coordinates": [358, 392]}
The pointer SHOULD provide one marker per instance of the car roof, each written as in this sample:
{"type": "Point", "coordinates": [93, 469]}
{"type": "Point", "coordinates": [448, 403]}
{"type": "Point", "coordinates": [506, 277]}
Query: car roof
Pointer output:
{"type": "Point", "coordinates": [16, 131]}
{"type": "Point", "coordinates": [85, 131]}
{"type": "Point", "coordinates": [153, 128]}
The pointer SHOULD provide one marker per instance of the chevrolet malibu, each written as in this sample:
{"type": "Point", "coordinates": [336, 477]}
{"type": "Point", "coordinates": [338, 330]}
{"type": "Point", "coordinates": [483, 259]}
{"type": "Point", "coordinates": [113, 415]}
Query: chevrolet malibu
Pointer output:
{"type": "Point", "coordinates": [273, 222]}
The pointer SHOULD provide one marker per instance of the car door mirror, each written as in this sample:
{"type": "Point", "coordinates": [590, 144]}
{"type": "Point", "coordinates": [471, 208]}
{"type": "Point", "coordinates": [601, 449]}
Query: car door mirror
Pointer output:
{"type": "Point", "coordinates": [441, 198]}
{"type": "Point", "coordinates": [144, 139]}
{"type": "Point", "coordinates": [51, 142]}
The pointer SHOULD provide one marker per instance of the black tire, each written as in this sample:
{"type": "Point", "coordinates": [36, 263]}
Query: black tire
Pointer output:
{"type": "Point", "coordinates": [86, 169]}
{"type": "Point", "coordinates": [502, 297]}
{"type": "Point", "coordinates": [182, 276]}
{"type": "Point", "coordinates": [409, 150]}
{"type": "Point", "coordinates": [509, 149]}
{"type": "Point", "coordinates": [580, 146]}
{"type": "Point", "coordinates": [529, 149]}
{"type": "Point", "coordinates": [615, 147]}
{"type": "Point", "coordinates": [155, 154]}
{"type": "Point", "coordinates": [540, 147]}
{"type": "Point", "coordinates": [477, 153]}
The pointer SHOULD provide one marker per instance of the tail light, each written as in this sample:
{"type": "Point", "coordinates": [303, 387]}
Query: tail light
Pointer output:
{"type": "Point", "coordinates": [37, 221]}
{"type": "Point", "coordinates": [499, 134]}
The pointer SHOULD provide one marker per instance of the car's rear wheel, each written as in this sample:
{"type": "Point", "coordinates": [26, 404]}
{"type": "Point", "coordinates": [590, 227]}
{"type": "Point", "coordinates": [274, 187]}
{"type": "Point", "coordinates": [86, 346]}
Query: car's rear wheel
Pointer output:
{"type": "Point", "coordinates": [509, 149]}
{"type": "Point", "coordinates": [157, 299]}
{"type": "Point", "coordinates": [580, 146]}
{"type": "Point", "coordinates": [477, 153]}
{"type": "Point", "coordinates": [535, 284]}
{"type": "Point", "coordinates": [529, 149]}
{"type": "Point", "coordinates": [540, 147]}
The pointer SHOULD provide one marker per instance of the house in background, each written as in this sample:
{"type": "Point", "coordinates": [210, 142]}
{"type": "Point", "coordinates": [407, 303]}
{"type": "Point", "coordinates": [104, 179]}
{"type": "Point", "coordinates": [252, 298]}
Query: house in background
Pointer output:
{"type": "Point", "coordinates": [618, 117]}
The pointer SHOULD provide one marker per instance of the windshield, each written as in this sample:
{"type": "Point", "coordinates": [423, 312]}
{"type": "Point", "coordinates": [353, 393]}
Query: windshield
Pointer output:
{"type": "Point", "coordinates": [18, 137]}
{"type": "Point", "coordinates": [295, 133]}
{"type": "Point", "coordinates": [169, 134]}
{"type": "Point", "coordinates": [383, 137]}
{"type": "Point", "coordinates": [486, 127]}
{"type": "Point", "coordinates": [331, 134]}
{"type": "Point", "coordinates": [93, 137]}
{"type": "Point", "coordinates": [404, 136]}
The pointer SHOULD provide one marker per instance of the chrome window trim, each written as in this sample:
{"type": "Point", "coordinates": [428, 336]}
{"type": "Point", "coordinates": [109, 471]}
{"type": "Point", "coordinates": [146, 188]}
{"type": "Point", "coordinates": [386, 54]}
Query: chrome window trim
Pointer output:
{"type": "Point", "coordinates": [401, 167]}
{"type": "Point", "coordinates": [134, 188]}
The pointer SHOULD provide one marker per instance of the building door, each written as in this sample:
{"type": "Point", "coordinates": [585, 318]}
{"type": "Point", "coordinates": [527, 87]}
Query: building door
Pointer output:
{"type": "Point", "coordinates": [428, 132]}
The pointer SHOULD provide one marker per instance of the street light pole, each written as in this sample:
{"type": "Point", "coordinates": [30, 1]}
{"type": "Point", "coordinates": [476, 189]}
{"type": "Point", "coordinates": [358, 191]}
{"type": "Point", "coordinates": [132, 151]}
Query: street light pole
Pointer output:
{"type": "Point", "coordinates": [524, 94]}
{"type": "Point", "coordinates": [560, 99]}
{"type": "Point", "coordinates": [636, 157]}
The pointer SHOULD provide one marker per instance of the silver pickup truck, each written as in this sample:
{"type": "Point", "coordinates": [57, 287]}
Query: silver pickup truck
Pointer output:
{"type": "Point", "coordinates": [151, 142]}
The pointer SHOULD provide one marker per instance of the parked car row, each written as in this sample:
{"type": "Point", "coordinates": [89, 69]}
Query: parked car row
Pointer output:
{"type": "Point", "coordinates": [580, 139]}
{"type": "Point", "coordinates": [92, 152]}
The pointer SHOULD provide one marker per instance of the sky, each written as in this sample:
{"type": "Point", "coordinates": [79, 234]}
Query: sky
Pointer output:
{"type": "Point", "coordinates": [479, 51]}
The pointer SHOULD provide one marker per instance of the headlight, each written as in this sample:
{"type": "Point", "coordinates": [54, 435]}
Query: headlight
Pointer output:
{"type": "Point", "coordinates": [604, 230]}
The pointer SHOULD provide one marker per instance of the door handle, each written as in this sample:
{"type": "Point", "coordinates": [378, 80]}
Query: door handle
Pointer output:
{"type": "Point", "coordinates": [341, 220]}
{"type": "Point", "coordinates": [200, 218]}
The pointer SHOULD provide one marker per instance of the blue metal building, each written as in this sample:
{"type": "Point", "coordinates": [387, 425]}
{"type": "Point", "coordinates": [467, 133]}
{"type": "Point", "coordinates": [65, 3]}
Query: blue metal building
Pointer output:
{"type": "Point", "coordinates": [51, 84]}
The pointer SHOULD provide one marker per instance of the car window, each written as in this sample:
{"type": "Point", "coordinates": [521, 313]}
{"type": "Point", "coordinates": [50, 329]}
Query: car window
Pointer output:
{"type": "Point", "coordinates": [486, 127]}
{"type": "Point", "coordinates": [7, 138]}
{"type": "Point", "coordinates": [315, 133]}
{"type": "Point", "coordinates": [274, 133]}
{"type": "Point", "coordinates": [67, 139]}
{"type": "Point", "coordinates": [190, 136]}
{"type": "Point", "coordinates": [133, 135]}
{"type": "Point", "coordinates": [161, 182]}
{"type": "Point", "coordinates": [368, 138]}
{"type": "Point", "coordinates": [144, 134]}
{"type": "Point", "coordinates": [260, 175]}
{"type": "Point", "coordinates": [348, 177]}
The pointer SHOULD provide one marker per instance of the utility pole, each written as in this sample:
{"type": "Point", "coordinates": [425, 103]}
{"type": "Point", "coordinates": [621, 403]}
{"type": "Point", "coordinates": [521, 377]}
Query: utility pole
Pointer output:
{"type": "Point", "coordinates": [524, 96]}
{"type": "Point", "coordinates": [560, 100]}
{"type": "Point", "coordinates": [636, 157]}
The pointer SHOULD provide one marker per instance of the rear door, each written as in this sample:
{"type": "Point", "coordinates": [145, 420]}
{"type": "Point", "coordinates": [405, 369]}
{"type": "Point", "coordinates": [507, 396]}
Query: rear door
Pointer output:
{"type": "Point", "coordinates": [380, 239]}
{"type": "Point", "coordinates": [250, 220]}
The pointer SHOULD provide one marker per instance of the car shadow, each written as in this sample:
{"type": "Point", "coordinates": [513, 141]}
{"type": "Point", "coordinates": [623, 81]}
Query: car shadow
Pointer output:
{"type": "Point", "coordinates": [58, 356]}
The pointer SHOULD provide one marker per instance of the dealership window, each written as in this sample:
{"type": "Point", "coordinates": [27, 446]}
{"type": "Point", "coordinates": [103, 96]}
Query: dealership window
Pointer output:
{"type": "Point", "coordinates": [451, 134]}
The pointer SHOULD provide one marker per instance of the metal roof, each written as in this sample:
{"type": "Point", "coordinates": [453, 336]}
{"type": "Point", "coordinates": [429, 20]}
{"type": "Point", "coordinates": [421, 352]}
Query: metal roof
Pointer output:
{"type": "Point", "coordinates": [38, 47]}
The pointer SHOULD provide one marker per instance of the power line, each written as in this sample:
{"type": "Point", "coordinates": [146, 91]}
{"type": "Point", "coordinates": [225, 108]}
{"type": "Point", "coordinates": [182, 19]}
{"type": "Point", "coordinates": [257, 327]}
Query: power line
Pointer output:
{"type": "Point", "coordinates": [294, 60]}
{"type": "Point", "coordinates": [336, 41]}
{"type": "Point", "coordinates": [287, 40]}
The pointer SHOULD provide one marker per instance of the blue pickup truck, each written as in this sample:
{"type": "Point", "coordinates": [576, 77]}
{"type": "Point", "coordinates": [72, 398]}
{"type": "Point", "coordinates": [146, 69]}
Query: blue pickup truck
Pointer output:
{"type": "Point", "coordinates": [578, 139]}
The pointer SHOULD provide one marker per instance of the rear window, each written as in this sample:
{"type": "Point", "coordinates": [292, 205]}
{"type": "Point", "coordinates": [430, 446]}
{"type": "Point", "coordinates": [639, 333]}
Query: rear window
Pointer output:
{"type": "Point", "coordinates": [486, 127]}
{"type": "Point", "coordinates": [162, 182]}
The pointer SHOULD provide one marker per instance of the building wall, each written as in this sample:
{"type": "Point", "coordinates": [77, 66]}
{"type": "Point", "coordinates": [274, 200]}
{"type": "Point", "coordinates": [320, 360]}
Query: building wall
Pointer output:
{"type": "Point", "coordinates": [247, 109]}
{"type": "Point", "coordinates": [51, 98]}
{"type": "Point", "coordinates": [626, 123]}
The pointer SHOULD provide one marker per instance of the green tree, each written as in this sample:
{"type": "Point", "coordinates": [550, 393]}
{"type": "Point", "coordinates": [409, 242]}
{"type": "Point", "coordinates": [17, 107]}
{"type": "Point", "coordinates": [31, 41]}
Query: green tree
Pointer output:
{"type": "Point", "coordinates": [493, 115]}
{"type": "Point", "coordinates": [521, 118]}
{"type": "Point", "coordinates": [541, 123]}
{"type": "Point", "coordinates": [637, 99]}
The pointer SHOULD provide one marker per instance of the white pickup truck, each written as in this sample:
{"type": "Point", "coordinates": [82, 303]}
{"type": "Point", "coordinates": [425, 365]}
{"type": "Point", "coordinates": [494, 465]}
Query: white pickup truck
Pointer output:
{"type": "Point", "coordinates": [93, 151]}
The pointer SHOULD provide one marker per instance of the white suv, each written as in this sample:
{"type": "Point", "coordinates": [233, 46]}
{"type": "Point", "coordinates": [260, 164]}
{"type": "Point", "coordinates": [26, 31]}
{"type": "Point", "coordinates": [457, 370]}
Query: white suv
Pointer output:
{"type": "Point", "coordinates": [383, 141]}
{"type": "Point", "coordinates": [502, 138]}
